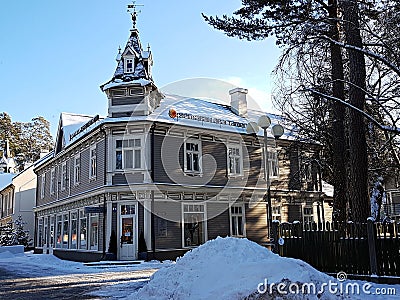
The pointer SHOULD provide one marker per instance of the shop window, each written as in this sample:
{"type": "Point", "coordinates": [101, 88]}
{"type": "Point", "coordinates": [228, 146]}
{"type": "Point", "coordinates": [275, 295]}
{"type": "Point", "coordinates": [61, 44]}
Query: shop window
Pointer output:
{"type": "Point", "coordinates": [65, 235]}
{"type": "Point", "coordinates": [74, 230]}
{"type": "Point", "coordinates": [94, 231]}
{"type": "Point", "coordinates": [59, 233]}
{"type": "Point", "coordinates": [193, 224]}
{"type": "Point", "coordinates": [82, 230]}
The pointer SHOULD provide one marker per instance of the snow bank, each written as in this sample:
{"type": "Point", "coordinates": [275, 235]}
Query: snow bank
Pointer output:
{"type": "Point", "coordinates": [226, 268]}
{"type": "Point", "coordinates": [17, 249]}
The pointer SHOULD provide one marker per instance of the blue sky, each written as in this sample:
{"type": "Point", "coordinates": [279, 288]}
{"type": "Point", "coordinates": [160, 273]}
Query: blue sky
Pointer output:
{"type": "Point", "coordinates": [54, 55]}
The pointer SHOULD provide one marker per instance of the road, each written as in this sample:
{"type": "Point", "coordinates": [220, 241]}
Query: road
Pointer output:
{"type": "Point", "coordinates": [71, 286]}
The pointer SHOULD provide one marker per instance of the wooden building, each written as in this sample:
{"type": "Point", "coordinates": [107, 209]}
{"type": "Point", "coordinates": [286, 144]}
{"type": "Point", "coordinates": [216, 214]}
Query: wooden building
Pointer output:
{"type": "Point", "coordinates": [178, 171]}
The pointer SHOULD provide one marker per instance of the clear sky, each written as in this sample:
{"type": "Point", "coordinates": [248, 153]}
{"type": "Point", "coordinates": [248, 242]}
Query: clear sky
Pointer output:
{"type": "Point", "coordinates": [54, 55]}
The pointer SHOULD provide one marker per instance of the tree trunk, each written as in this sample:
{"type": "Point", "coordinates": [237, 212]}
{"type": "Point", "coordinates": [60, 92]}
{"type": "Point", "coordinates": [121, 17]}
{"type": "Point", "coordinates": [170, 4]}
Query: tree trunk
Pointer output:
{"type": "Point", "coordinates": [358, 179]}
{"type": "Point", "coordinates": [338, 129]}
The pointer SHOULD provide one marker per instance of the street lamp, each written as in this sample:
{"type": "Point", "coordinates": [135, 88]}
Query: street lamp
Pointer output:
{"type": "Point", "coordinates": [277, 130]}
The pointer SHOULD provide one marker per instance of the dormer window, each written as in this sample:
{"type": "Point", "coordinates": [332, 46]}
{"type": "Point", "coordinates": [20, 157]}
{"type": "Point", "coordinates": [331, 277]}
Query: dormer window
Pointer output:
{"type": "Point", "coordinates": [129, 64]}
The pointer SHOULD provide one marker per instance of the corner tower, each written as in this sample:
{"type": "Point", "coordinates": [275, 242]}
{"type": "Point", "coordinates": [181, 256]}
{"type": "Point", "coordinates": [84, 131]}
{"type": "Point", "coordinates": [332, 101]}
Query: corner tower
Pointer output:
{"type": "Point", "coordinates": [131, 91]}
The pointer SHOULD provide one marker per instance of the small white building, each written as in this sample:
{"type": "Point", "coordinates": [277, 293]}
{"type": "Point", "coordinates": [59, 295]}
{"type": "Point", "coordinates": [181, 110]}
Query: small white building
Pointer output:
{"type": "Point", "coordinates": [17, 198]}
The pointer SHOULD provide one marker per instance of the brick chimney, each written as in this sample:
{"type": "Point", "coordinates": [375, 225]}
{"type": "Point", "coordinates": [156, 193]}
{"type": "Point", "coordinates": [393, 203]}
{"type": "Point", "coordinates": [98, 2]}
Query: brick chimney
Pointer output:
{"type": "Point", "coordinates": [239, 101]}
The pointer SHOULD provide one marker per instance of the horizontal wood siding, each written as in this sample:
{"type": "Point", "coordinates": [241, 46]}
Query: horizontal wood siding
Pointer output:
{"type": "Point", "coordinates": [218, 220]}
{"type": "Point", "coordinates": [72, 189]}
{"type": "Point", "coordinates": [256, 222]}
{"type": "Point", "coordinates": [215, 161]}
{"type": "Point", "coordinates": [170, 211]}
{"type": "Point", "coordinates": [140, 219]}
{"type": "Point", "coordinates": [127, 178]}
{"type": "Point", "coordinates": [253, 165]}
{"type": "Point", "coordinates": [127, 100]}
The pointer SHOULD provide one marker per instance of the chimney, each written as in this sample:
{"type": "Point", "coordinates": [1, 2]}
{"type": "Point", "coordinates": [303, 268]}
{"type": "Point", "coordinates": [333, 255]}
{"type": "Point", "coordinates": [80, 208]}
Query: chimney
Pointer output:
{"type": "Point", "coordinates": [239, 101]}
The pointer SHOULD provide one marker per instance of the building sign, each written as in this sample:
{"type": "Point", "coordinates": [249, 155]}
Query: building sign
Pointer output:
{"type": "Point", "coordinates": [174, 114]}
{"type": "Point", "coordinates": [85, 126]}
{"type": "Point", "coordinates": [94, 210]}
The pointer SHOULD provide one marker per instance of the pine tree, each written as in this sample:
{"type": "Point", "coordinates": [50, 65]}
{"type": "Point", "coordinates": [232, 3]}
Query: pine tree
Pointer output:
{"type": "Point", "coordinates": [20, 235]}
{"type": "Point", "coordinates": [7, 234]}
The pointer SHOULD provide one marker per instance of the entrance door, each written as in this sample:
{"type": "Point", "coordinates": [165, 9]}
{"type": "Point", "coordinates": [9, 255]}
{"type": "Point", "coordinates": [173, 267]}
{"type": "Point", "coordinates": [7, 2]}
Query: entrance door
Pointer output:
{"type": "Point", "coordinates": [127, 238]}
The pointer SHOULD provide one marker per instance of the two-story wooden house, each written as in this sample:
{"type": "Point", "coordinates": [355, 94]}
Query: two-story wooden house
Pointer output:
{"type": "Point", "coordinates": [178, 170]}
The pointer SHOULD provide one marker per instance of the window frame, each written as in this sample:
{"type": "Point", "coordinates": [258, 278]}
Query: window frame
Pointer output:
{"type": "Point", "coordinates": [93, 162]}
{"type": "Point", "coordinates": [77, 169]}
{"type": "Point", "coordinates": [53, 181]}
{"type": "Point", "coordinates": [228, 159]}
{"type": "Point", "coordinates": [273, 163]}
{"type": "Point", "coordinates": [199, 152]}
{"type": "Point", "coordinates": [235, 215]}
{"type": "Point", "coordinates": [126, 61]}
{"type": "Point", "coordinates": [204, 221]}
{"type": "Point", "coordinates": [42, 185]}
{"type": "Point", "coordinates": [64, 176]}
{"type": "Point", "coordinates": [124, 149]}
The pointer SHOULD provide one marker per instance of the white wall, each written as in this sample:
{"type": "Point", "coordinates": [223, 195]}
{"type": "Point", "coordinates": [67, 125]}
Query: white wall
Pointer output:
{"type": "Point", "coordinates": [25, 193]}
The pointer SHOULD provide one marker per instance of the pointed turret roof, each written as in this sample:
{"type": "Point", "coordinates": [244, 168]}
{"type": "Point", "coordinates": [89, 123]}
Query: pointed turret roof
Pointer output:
{"type": "Point", "coordinates": [133, 49]}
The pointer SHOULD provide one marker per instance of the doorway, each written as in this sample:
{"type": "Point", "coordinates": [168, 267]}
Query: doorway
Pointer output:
{"type": "Point", "coordinates": [127, 232]}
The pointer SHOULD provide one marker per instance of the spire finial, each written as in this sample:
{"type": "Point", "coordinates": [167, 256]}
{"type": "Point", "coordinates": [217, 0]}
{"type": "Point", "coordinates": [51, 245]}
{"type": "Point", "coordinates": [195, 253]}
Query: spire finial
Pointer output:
{"type": "Point", "coordinates": [132, 10]}
{"type": "Point", "coordinates": [118, 58]}
{"type": "Point", "coordinates": [148, 47]}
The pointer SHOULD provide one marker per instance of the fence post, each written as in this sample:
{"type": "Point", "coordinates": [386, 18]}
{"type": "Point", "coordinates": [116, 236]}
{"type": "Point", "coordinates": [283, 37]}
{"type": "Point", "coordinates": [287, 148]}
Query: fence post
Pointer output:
{"type": "Point", "coordinates": [371, 245]}
{"type": "Point", "coordinates": [275, 236]}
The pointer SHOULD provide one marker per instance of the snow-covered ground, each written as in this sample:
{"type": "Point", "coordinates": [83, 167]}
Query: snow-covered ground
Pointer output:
{"type": "Point", "coordinates": [224, 268]}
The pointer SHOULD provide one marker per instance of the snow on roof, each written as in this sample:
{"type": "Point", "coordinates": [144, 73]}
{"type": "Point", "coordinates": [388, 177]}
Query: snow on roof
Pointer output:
{"type": "Point", "coordinates": [198, 110]}
{"type": "Point", "coordinates": [228, 268]}
{"type": "Point", "coordinates": [119, 82]}
{"type": "Point", "coordinates": [71, 123]}
{"type": "Point", "coordinates": [5, 180]}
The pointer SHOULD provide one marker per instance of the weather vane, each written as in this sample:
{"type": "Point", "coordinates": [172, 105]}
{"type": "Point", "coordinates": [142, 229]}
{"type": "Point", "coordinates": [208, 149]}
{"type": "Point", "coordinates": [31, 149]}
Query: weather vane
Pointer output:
{"type": "Point", "coordinates": [132, 10]}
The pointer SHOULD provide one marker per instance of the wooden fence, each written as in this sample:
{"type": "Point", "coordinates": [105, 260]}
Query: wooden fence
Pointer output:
{"type": "Point", "coordinates": [355, 248]}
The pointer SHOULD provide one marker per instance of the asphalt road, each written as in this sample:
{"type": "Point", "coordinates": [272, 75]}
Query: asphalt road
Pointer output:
{"type": "Point", "coordinates": [71, 286]}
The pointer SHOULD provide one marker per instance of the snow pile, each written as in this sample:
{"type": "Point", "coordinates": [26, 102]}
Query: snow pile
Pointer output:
{"type": "Point", "coordinates": [16, 249]}
{"type": "Point", "coordinates": [227, 268]}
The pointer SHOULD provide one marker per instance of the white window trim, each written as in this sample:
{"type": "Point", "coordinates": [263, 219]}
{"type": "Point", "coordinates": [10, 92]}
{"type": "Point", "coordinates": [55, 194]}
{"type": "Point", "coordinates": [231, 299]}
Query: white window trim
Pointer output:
{"type": "Point", "coordinates": [77, 182]}
{"type": "Point", "coordinates": [92, 176]}
{"type": "Point", "coordinates": [193, 172]}
{"type": "Point", "coordinates": [64, 176]}
{"type": "Point", "coordinates": [270, 163]}
{"type": "Point", "coordinates": [126, 58]}
{"type": "Point", "coordinates": [142, 153]}
{"type": "Point", "coordinates": [240, 147]}
{"type": "Point", "coordinates": [183, 223]}
{"type": "Point", "coordinates": [53, 181]}
{"type": "Point", "coordinates": [307, 215]}
{"type": "Point", "coordinates": [243, 219]}
{"type": "Point", "coordinates": [42, 185]}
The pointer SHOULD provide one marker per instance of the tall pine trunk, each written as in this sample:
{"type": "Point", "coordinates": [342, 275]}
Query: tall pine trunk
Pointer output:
{"type": "Point", "coordinates": [338, 127]}
{"type": "Point", "coordinates": [358, 160]}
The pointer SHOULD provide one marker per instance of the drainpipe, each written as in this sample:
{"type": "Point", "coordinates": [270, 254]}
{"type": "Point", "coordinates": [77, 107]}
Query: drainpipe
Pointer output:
{"type": "Point", "coordinates": [153, 237]}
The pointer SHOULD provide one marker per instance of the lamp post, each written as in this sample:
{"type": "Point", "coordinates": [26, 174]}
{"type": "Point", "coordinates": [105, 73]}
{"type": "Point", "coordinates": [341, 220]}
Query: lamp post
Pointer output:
{"type": "Point", "coordinates": [277, 130]}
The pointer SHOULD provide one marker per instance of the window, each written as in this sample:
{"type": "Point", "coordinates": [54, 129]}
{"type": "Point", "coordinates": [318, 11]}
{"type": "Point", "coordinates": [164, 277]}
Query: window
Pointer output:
{"type": "Point", "coordinates": [77, 169]}
{"type": "Point", "coordinates": [52, 181]}
{"type": "Point", "coordinates": [45, 231]}
{"type": "Point", "coordinates": [64, 176]}
{"type": "Point", "coordinates": [162, 227]}
{"type": "Point", "coordinates": [129, 65]}
{"type": "Point", "coordinates": [128, 154]}
{"type": "Point", "coordinates": [237, 220]}
{"type": "Point", "coordinates": [40, 233]}
{"type": "Point", "coordinates": [65, 236]}
{"type": "Point", "coordinates": [42, 185]}
{"type": "Point", "coordinates": [59, 228]}
{"type": "Point", "coordinates": [276, 213]}
{"type": "Point", "coordinates": [52, 231]}
{"type": "Point", "coordinates": [273, 166]}
{"type": "Point", "coordinates": [82, 230]}
{"type": "Point", "coordinates": [193, 156]}
{"type": "Point", "coordinates": [74, 230]}
{"type": "Point", "coordinates": [93, 162]}
{"type": "Point", "coordinates": [235, 163]}
{"type": "Point", "coordinates": [94, 231]}
{"type": "Point", "coordinates": [308, 217]}
{"type": "Point", "coordinates": [193, 224]}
